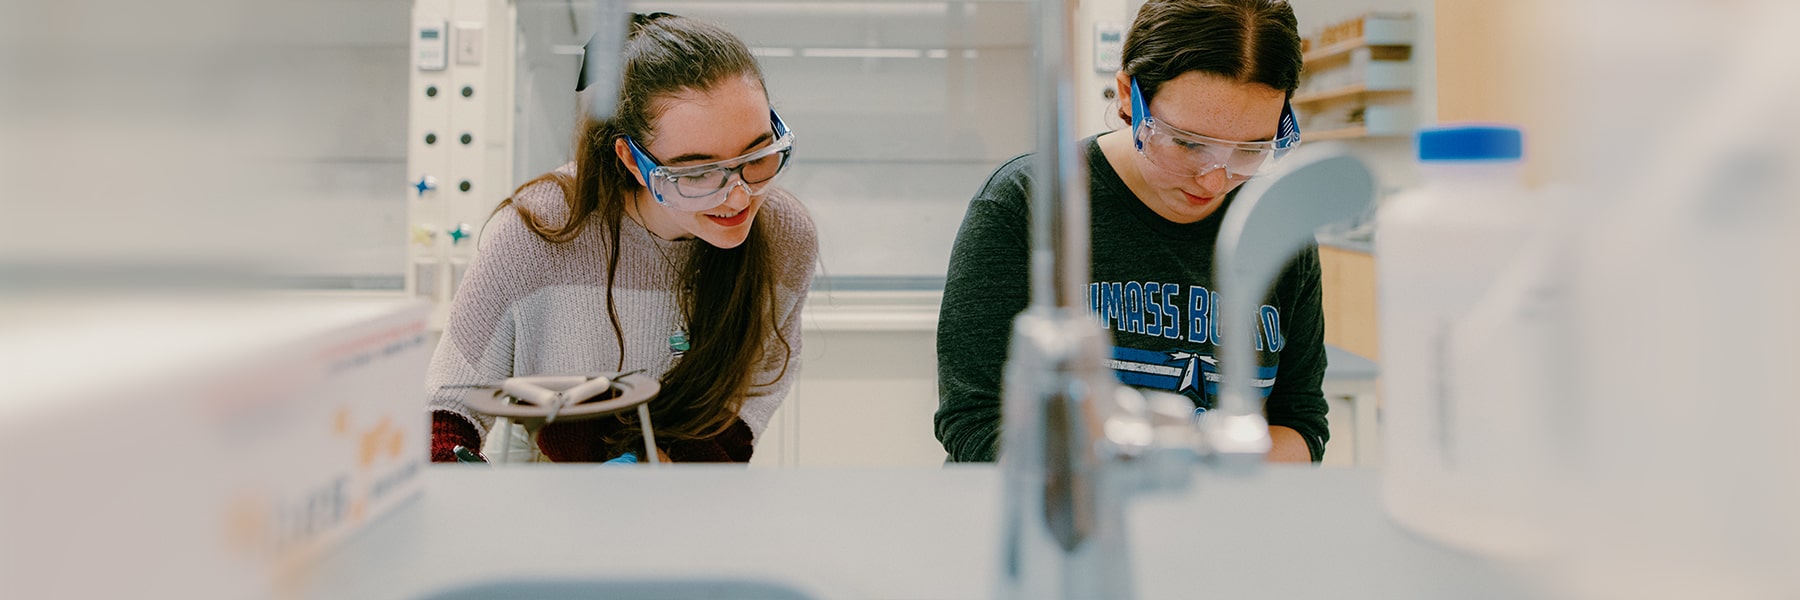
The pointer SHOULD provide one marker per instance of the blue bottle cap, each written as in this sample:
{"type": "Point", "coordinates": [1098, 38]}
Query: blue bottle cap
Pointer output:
{"type": "Point", "coordinates": [1470, 142]}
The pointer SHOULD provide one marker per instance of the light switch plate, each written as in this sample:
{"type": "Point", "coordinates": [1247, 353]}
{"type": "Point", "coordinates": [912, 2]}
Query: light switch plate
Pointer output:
{"type": "Point", "coordinates": [468, 44]}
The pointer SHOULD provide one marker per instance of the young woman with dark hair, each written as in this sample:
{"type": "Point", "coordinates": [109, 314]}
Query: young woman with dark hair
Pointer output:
{"type": "Point", "coordinates": [1204, 85]}
{"type": "Point", "coordinates": [665, 246]}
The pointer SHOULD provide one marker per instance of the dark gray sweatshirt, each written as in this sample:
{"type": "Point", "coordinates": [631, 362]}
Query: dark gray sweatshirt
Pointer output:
{"type": "Point", "coordinates": [1153, 290]}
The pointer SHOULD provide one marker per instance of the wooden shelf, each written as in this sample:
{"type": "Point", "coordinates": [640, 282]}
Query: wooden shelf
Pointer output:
{"type": "Point", "coordinates": [1378, 30]}
{"type": "Point", "coordinates": [1343, 92]}
{"type": "Point", "coordinates": [1343, 49]}
{"type": "Point", "coordinates": [1334, 94]}
{"type": "Point", "coordinates": [1358, 132]}
{"type": "Point", "coordinates": [1347, 133]}
{"type": "Point", "coordinates": [1332, 51]}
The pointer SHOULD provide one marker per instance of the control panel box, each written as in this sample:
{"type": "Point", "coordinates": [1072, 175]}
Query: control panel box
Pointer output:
{"type": "Point", "coordinates": [460, 148]}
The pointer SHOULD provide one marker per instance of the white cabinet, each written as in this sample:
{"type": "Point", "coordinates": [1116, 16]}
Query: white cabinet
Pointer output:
{"type": "Point", "coordinates": [867, 386]}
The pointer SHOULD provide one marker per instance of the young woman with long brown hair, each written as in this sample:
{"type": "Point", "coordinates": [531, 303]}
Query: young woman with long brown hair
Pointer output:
{"type": "Point", "coordinates": [665, 246]}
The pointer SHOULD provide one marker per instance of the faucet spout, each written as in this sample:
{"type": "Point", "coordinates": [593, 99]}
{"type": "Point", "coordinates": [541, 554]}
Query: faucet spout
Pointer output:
{"type": "Point", "coordinates": [1272, 218]}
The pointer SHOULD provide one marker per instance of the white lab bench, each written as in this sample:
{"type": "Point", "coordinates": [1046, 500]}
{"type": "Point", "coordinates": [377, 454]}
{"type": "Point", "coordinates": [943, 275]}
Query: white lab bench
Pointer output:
{"type": "Point", "coordinates": [1292, 532]}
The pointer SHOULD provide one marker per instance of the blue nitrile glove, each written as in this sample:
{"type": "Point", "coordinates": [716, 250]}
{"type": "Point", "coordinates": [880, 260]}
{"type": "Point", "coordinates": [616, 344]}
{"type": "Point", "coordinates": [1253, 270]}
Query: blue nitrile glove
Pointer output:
{"type": "Point", "coordinates": [627, 458]}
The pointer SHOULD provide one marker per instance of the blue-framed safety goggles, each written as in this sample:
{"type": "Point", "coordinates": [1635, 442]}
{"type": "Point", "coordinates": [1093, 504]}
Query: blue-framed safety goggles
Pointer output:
{"type": "Point", "coordinates": [1189, 154]}
{"type": "Point", "coordinates": [695, 188]}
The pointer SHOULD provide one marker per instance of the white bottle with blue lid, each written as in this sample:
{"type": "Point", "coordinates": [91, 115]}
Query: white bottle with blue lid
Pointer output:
{"type": "Point", "coordinates": [1438, 251]}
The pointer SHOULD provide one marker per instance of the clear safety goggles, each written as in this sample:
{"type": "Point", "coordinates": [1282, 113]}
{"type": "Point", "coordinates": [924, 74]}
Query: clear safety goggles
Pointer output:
{"type": "Point", "coordinates": [1188, 154]}
{"type": "Point", "coordinates": [695, 188]}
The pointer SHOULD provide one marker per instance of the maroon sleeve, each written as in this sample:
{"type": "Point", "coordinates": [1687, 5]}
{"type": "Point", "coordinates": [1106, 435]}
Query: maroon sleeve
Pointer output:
{"type": "Point", "coordinates": [734, 445]}
{"type": "Point", "coordinates": [449, 430]}
{"type": "Point", "coordinates": [577, 441]}
{"type": "Point", "coordinates": [738, 442]}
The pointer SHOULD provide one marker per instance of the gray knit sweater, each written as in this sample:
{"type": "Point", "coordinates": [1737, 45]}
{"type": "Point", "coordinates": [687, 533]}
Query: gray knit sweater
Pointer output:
{"type": "Point", "coordinates": [531, 307]}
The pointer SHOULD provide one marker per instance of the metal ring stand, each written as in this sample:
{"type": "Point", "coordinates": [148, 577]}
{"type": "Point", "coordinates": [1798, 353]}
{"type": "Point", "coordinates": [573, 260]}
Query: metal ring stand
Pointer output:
{"type": "Point", "coordinates": [535, 401]}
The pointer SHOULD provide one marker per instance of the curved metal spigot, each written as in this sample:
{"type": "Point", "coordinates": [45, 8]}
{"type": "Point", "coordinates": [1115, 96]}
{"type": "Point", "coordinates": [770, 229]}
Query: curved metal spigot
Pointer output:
{"type": "Point", "coordinates": [1271, 219]}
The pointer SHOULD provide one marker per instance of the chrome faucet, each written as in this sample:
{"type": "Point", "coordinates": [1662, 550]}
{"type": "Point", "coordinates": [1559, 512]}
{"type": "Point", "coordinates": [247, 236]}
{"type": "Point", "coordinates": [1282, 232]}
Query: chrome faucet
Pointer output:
{"type": "Point", "coordinates": [1270, 219]}
{"type": "Point", "coordinates": [1077, 445]}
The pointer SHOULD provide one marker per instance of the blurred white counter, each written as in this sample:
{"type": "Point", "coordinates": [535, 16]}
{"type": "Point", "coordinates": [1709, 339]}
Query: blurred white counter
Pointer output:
{"type": "Point", "coordinates": [1293, 532]}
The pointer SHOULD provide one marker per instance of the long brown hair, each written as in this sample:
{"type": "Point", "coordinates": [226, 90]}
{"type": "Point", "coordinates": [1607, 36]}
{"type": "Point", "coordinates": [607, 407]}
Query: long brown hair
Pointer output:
{"type": "Point", "coordinates": [729, 309]}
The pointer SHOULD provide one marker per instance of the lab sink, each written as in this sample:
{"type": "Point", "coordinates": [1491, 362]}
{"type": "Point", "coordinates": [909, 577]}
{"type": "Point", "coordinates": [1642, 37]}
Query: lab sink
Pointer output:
{"type": "Point", "coordinates": [618, 589]}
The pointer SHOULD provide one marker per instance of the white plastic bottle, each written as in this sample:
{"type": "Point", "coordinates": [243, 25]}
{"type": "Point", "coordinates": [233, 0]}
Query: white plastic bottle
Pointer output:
{"type": "Point", "coordinates": [1438, 251]}
{"type": "Point", "coordinates": [1512, 365]}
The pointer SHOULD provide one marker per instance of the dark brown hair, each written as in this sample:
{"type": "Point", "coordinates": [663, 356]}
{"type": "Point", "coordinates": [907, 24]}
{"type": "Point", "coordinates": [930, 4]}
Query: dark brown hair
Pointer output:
{"type": "Point", "coordinates": [1252, 41]}
{"type": "Point", "coordinates": [729, 305]}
